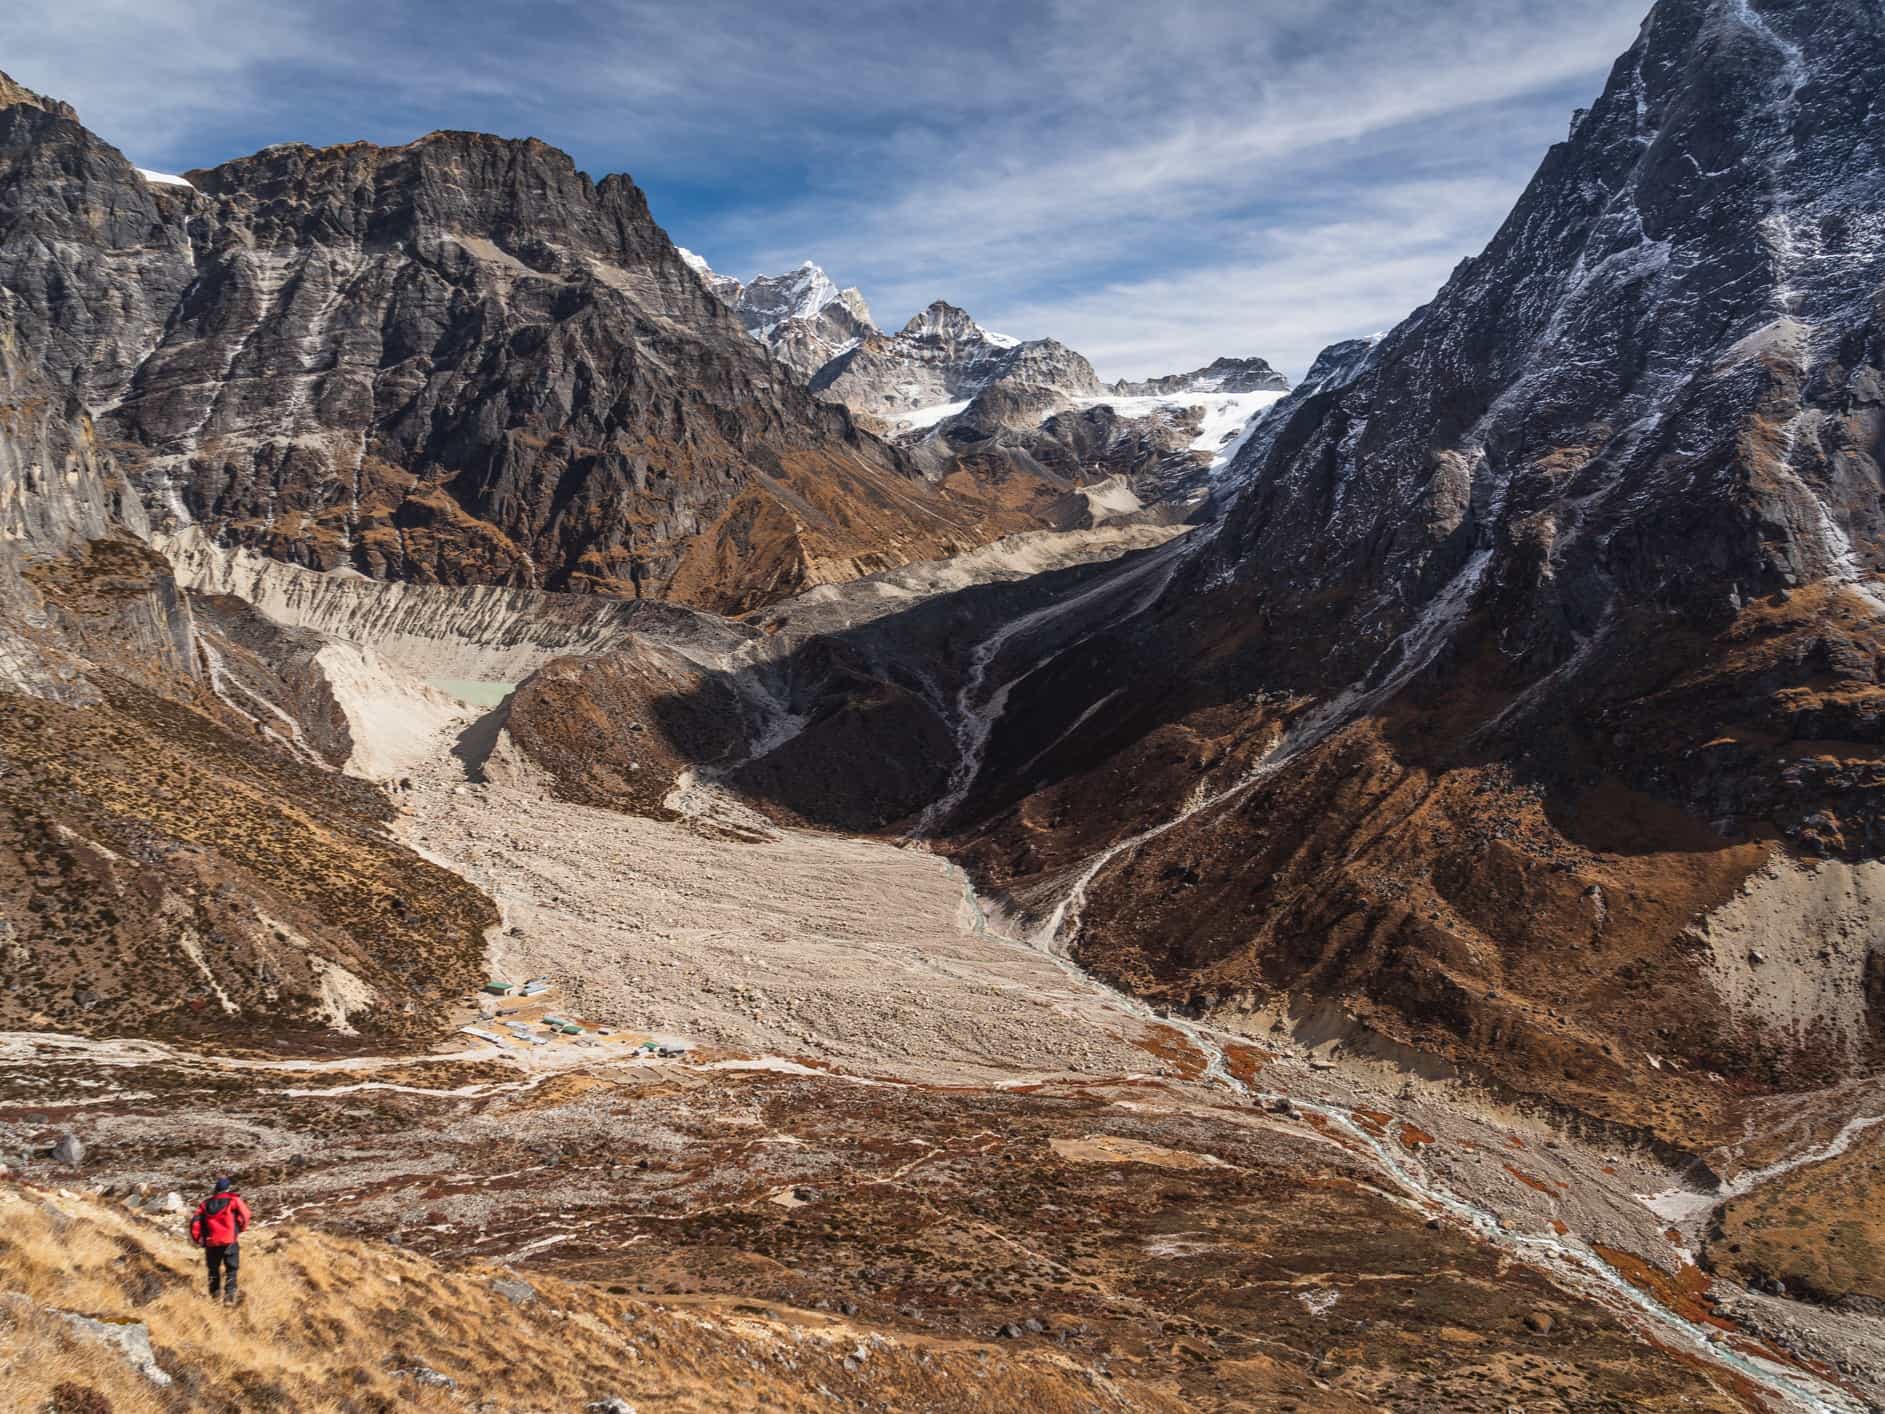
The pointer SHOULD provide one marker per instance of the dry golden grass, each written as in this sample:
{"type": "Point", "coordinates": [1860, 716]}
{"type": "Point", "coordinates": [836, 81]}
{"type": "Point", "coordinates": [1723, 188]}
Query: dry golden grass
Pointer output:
{"type": "Point", "coordinates": [328, 1323]}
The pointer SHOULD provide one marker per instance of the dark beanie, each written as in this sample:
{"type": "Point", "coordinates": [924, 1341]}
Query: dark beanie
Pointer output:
{"type": "Point", "coordinates": [223, 1185]}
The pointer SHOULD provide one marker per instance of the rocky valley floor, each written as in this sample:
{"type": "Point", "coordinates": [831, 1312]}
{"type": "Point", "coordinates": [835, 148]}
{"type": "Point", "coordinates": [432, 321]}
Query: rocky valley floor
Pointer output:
{"type": "Point", "coordinates": [896, 1129]}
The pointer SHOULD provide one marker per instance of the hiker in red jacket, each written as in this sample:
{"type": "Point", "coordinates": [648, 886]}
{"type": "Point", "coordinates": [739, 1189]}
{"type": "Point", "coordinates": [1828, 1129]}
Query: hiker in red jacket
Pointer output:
{"type": "Point", "coordinates": [220, 1221]}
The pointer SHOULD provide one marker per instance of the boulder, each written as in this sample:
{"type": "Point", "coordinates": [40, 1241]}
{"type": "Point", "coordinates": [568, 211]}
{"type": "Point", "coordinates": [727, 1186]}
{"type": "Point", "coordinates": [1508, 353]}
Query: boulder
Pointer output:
{"type": "Point", "coordinates": [426, 1375]}
{"type": "Point", "coordinates": [132, 1339]}
{"type": "Point", "coordinates": [515, 1290]}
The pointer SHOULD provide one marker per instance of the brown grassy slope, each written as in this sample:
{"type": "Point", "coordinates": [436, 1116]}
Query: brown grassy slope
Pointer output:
{"type": "Point", "coordinates": [615, 729]}
{"type": "Point", "coordinates": [329, 1325]}
{"type": "Point", "coordinates": [1517, 900]}
{"type": "Point", "coordinates": [167, 864]}
{"type": "Point", "coordinates": [819, 518]}
{"type": "Point", "coordinates": [1820, 1229]}
{"type": "Point", "coordinates": [136, 830]}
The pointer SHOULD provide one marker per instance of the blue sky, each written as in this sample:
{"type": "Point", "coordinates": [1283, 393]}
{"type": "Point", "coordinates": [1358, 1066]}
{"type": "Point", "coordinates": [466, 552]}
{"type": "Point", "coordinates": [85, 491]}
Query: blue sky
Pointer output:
{"type": "Point", "coordinates": [1153, 183]}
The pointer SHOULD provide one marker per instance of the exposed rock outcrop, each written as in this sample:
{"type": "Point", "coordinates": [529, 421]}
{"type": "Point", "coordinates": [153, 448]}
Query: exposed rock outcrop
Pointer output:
{"type": "Point", "coordinates": [1569, 587]}
{"type": "Point", "coordinates": [457, 361]}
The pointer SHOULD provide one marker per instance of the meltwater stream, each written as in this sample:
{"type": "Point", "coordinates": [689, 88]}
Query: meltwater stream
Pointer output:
{"type": "Point", "coordinates": [1566, 1259]}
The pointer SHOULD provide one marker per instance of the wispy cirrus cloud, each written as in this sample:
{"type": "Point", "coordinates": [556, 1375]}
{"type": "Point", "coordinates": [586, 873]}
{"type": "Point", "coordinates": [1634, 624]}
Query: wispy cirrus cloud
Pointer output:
{"type": "Point", "coordinates": [1154, 184]}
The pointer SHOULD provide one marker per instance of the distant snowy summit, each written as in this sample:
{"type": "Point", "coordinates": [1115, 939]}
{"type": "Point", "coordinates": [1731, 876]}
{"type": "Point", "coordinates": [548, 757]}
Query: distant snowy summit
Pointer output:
{"type": "Point", "coordinates": [943, 357]}
{"type": "Point", "coordinates": [1224, 375]}
{"type": "Point", "coordinates": [827, 336]}
{"type": "Point", "coordinates": [802, 316]}
{"type": "Point", "coordinates": [946, 388]}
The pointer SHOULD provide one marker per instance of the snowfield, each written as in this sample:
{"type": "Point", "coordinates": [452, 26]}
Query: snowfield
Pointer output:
{"type": "Point", "coordinates": [1228, 417]}
{"type": "Point", "coordinates": [919, 419]}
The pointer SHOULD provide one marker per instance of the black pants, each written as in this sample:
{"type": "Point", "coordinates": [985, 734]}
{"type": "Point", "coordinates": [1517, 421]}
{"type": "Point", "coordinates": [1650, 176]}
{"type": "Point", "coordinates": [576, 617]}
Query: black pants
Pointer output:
{"type": "Point", "coordinates": [222, 1259]}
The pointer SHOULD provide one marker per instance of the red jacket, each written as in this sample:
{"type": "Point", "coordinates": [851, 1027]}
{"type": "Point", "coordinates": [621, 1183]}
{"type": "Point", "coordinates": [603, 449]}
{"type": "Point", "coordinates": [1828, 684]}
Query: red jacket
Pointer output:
{"type": "Point", "coordinates": [219, 1221]}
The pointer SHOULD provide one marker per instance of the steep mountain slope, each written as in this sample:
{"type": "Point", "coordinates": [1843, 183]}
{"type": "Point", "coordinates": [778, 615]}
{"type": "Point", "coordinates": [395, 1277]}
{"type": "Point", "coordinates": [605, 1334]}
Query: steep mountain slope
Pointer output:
{"type": "Point", "coordinates": [179, 852]}
{"type": "Point", "coordinates": [456, 361]}
{"type": "Point", "coordinates": [1541, 640]}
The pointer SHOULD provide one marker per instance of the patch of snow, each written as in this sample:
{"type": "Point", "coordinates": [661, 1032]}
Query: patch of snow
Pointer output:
{"type": "Point", "coordinates": [163, 179]}
{"type": "Point", "coordinates": [916, 419]}
{"type": "Point", "coordinates": [1228, 418]}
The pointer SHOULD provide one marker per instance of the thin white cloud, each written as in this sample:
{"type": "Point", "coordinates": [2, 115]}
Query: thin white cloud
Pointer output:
{"type": "Point", "coordinates": [1281, 293]}
{"type": "Point", "coordinates": [1173, 143]}
{"type": "Point", "coordinates": [1083, 168]}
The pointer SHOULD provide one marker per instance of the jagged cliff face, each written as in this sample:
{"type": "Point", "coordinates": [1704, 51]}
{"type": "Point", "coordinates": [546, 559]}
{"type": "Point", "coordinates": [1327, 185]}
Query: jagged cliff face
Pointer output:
{"type": "Point", "coordinates": [1656, 389]}
{"type": "Point", "coordinates": [1542, 637]}
{"type": "Point", "coordinates": [458, 361]}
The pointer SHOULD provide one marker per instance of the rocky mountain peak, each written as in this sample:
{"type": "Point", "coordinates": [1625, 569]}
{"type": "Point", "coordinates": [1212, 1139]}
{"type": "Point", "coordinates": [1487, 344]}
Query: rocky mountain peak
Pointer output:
{"type": "Point", "coordinates": [945, 323]}
{"type": "Point", "coordinates": [14, 94]}
{"type": "Point", "coordinates": [1678, 306]}
{"type": "Point", "coordinates": [1570, 588]}
{"type": "Point", "coordinates": [802, 315]}
{"type": "Point", "coordinates": [804, 294]}
{"type": "Point", "coordinates": [724, 288]}
{"type": "Point", "coordinates": [522, 194]}
{"type": "Point", "coordinates": [455, 360]}
{"type": "Point", "coordinates": [942, 357]}
{"type": "Point", "coordinates": [1222, 375]}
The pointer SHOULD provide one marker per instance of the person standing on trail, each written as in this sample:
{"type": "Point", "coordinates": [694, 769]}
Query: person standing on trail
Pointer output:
{"type": "Point", "coordinates": [217, 1228]}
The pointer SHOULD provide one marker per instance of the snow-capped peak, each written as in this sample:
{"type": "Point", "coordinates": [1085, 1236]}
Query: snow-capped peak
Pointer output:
{"type": "Point", "coordinates": [724, 288]}
{"type": "Point", "coordinates": [799, 295]}
{"type": "Point", "coordinates": [943, 320]}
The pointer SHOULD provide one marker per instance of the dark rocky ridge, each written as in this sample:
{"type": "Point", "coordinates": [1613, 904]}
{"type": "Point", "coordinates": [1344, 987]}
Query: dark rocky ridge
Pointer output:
{"type": "Point", "coordinates": [457, 361]}
{"type": "Point", "coordinates": [1567, 590]}
{"type": "Point", "coordinates": [1533, 632]}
